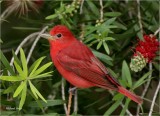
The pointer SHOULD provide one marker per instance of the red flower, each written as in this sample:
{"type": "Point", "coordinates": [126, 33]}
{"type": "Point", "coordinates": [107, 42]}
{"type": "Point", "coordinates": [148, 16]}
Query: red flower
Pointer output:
{"type": "Point", "coordinates": [148, 47]}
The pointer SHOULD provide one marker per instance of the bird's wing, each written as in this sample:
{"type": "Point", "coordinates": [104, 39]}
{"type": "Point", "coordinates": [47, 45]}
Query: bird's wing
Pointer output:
{"type": "Point", "coordinates": [78, 59]}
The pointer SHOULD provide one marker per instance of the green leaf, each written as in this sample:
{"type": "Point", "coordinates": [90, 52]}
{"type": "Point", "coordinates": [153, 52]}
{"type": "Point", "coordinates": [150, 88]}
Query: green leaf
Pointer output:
{"type": "Point", "coordinates": [125, 107]}
{"type": "Point", "coordinates": [35, 65]}
{"type": "Point", "coordinates": [92, 7]}
{"type": "Point", "coordinates": [33, 89]}
{"type": "Point", "coordinates": [18, 68]}
{"type": "Point", "coordinates": [109, 21]}
{"type": "Point", "coordinates": [112, 14]}
{"type": "Point", "coordinates": [10, 89]}
{"type": "Point", "coordinates": [141, 80]}
{"type": "Point", "coordinates": [106, 47]}
{"type": "Point", "coordinates": [36, 92]}
{"type": "Point", "coordinates": [105, 58]}
{"type": "Point", "coordinates": [126, 73]}
{"type": "Point", "coordinates": [6, 63]}
{"type": "Point", "coordinates": [112, 108]}
{"type": "Point", "coordinates": [11, 78]}
{"type": "Point", "coordinates": [139, 34]}
{"type": "Point", "coordinates": [16, 58]}
{"type": "Point", "coordinates": [49, 103]}
{"type": "Point", "coordinates": [38, 71]}
{"type": "Point", "coordinates": [23, 96]}
{"type": "Point", "coordinates": [99, 44]}
{"type": "Point", "coordinates": [41, 75]}
{"type": "Point", "coordinates": [19, 89]}
{"type": "Point", "coordinates": [24, 62]}
{"type": "Point", "coordinates": [118, 96]}
{"type": "Point", "coordinates": [108, 38]}
{"type": "Point", "coordinates": [51, 16]}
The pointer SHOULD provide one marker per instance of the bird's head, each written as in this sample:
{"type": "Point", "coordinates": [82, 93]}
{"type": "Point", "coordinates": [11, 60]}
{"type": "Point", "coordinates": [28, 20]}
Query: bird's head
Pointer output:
{"type": "Point", "coordinates": [59, 34]}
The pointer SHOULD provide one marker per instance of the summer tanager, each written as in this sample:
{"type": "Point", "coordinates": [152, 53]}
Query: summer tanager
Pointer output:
{"type": "Point", "coordinates": [78, 65]}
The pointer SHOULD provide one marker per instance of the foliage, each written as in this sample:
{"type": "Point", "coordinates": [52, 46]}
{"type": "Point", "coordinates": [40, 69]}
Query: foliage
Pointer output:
{"type": "Point", "coordinates": [110, 29]}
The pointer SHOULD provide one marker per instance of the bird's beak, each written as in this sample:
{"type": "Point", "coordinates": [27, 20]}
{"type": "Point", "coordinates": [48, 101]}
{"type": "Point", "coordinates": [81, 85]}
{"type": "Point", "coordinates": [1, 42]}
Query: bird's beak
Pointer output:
{"type": "Point", "coordinates": [47, 36]}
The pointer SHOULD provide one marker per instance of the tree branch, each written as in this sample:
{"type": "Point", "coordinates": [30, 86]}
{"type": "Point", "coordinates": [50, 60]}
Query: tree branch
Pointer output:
{"type": "Point", "coordinates": [63, 96]}
{"type": "Point", "coordinates": [154, 99]}
{"type": "Point", "coordinates": [146, 87]}
{"type": "Point", "coordinates": [139, 16]}
{"type": "Point", "coordinates": [35, 42]}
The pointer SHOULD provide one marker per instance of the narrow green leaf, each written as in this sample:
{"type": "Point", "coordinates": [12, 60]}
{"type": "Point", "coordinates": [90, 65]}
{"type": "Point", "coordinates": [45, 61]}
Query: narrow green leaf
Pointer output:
{"type": "Point", "coordinates": [126, 73]}
{"type": "Point", "coordinates": [118, 96]}
{"type": "Point", "coordinates": [93, 7]}
{"type": "Point", "coordinates": [125, 107]}
{"type": "Point", "coordinates": [112, 108]}
{"type": "Point", "coordinates": [19, 89]}
{"type": "Point", "coordinates": [41, 75]}
{"type": "Point", "coordinates": [140, 81]}
{"type": "Point", "coordinates": [24, 62]}
{"type": "Point", "coordinates": [106, 47]}
{"type": "Point", "coordinates": [38, 71]}
{"type": "Point", "coordinates": [18, 68]}
{"type": "Point", "coordinates": [35, 65]}
{"type": "Point", "coordinates": [10, 89]}
{"type": "Point", "coordinates": [33, 89]}
{"type": "Point", "coordinates": [112, 14]}
{"type": "Point", "coordinates": [49, 103]}
{"type": "Point", "coordinates": [37, 92]}
{"type": "Point", "coordinates": [16, 58]}
{"type": "Point", "coordinates": [23, 96]}
{"type": "Point", "coordinates": [51, 16]}
{"type": "Point", "coordinates": [109, 21]}
{"type": "Point", "coordinates": [99, 44]}
{"type": "Point", "coordinates": [38, 101]}
{"type": "Point", "coordinates": [11, 78]}
{"type": "Point", "coordinates": [108, 38]}
{"type": "Point", "coordinates": [139, 34]}
{"type": "Point", "coordinates": [6, 63]}
{"type": "Point", "coordinates": [102, 56]}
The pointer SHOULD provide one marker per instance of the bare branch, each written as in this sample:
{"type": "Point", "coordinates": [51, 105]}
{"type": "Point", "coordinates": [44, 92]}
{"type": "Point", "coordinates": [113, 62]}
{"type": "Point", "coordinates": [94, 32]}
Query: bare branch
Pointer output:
{"type": "Point", "coordinates": [81, 8]}
{"type": "Point", "coordinates": [101, 10]}
{"type": "Point", "coordinates": [157, 31]}
{"type": "Point", "coordinates": [139, 16]}
{"type": "Point", "coordinates": [154, 99]}
{"type": "Point", "coordinates": [63, 96]}
{"type": "Point", "coordinates": [35, 42]}
{"type": "Point", "coordinates": [146, 87]}
{"type": "Point", "coordinates": [69, 103]}
{"type": "Point", "coordinates": [22, 43]}
{"type": "Point", "coordinates": [76, 101]}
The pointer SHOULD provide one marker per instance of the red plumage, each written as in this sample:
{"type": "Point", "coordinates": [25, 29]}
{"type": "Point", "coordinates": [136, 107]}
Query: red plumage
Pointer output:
{"type": "Point", "coordinates": [79, 66]}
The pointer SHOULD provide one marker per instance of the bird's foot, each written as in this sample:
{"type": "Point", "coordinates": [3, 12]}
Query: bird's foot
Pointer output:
{"type": "Point", "coordinates": [72, 90]}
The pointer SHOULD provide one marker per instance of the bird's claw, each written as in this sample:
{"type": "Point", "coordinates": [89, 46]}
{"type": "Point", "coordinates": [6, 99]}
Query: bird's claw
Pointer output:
{"type": "Point", "coordinates": [72, 90]}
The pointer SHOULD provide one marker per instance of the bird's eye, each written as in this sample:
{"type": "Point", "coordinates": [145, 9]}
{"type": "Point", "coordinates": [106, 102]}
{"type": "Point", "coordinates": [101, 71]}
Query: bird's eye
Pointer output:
{"type": "Point", "coordinates": [59, 35]}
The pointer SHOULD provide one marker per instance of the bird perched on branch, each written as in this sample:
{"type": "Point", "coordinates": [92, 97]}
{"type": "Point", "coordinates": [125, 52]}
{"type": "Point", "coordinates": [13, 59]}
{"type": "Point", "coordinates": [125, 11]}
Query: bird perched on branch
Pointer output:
{"type": "Point", "coordinates": [78, 65]}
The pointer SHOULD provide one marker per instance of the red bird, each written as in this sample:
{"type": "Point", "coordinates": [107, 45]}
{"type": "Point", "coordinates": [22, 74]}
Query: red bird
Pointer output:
{"type": "Point", "coordinates": [78, 65]}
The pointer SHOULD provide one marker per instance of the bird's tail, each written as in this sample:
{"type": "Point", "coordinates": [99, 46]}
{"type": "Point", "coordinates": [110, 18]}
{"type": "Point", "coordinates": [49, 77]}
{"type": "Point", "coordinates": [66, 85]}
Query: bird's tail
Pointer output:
{"type": "Point", "coordinates": [130, 95]}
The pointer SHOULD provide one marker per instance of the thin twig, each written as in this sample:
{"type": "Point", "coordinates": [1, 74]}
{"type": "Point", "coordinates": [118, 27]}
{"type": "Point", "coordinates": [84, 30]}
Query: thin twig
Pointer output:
{"type": "Point", "coordinates": [157, 31]}
{"type": "Point", "coordinates": [139, 16]}
{"type": "Point", "coordinates": [101, 10]}
{"type": "Point", "coordinates": [35, 42]}
{"type": "Point", "coordinates": [69, 103]}
{"type": "Point", "coordinates": [75, 101]}
{"type": "Point", "coordinates": [154, 99]}
{"type": "Point", "coordinates": [81, 8]}
{"type": "Point", "coordinates": [146, 87]}
{"type": "Point", "coordinates": [63, 95]}
{"type": "Point", "coordinates": [22, 43]}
